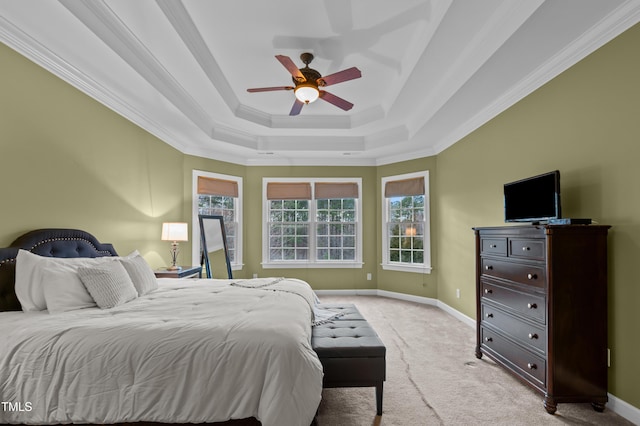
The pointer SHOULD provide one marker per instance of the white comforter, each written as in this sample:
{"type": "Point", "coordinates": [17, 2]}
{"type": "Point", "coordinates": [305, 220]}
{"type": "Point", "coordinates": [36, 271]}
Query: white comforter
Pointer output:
{"type": "Point", "coordinates": [192, 351]}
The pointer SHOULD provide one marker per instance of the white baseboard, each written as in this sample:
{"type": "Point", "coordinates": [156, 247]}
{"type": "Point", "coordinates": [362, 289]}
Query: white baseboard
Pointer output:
{"type": "Point", "coordinates": [615, 404]}
{"type": "Point", "coordinates": [367, 292]}
{"type": "Point", "coordinates": [408, 297]}
{"type": "Point", "coordinates": [624, 409]}
{"type": "Point", "coordinates": [457, 314]}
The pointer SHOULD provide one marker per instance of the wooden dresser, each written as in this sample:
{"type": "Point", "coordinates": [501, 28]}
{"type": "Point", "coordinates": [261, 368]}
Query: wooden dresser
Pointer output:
{"type": "Point", "coordinates": [542, 308]}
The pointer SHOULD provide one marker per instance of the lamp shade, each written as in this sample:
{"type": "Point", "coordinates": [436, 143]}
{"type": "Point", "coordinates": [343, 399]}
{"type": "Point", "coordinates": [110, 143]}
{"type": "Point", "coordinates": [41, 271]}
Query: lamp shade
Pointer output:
{"type": "Point", "coordinates": [175, 231]}
{"type": "Point", "coordinates": [306, 93]}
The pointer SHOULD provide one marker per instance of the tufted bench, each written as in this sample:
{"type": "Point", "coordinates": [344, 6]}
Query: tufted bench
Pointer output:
{"type": "Point", "coordinates": [351, 353]}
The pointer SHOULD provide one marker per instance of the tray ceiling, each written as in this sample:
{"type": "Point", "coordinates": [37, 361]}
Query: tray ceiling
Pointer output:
{"type": "Point", "coordinates": [432, 71]}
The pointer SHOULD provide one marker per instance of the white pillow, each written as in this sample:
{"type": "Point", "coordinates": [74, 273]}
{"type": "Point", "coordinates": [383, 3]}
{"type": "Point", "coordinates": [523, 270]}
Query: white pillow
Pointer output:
{"type": "Point", "coordinates": [32, 273]}
{"type": "Point", "coordinates": [140, 273]}
{"type": "Point", "coordinates": [109, 284]}
{"type": "Point", "coordinates": [63, 289]}
{"type": "Point", "coordinates": [29, 282]}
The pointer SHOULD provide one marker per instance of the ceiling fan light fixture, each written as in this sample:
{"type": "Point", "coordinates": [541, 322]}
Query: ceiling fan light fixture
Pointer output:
{"type": "Point", "coordinates": [307, 93]}
{"type": "Point", "coordinates": [307, 82]}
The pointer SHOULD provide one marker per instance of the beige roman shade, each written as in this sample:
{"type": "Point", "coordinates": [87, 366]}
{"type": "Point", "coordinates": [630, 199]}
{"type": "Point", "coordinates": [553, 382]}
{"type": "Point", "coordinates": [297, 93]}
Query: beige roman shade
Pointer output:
{"type": "Point", "coordinates": [213, 186]}
{"type": "Point", "coordinates": [288, 191]}
{"type": "Point", "coordinates": [404, 187]}
{"type": "Point", "coordinates": [325, 190]}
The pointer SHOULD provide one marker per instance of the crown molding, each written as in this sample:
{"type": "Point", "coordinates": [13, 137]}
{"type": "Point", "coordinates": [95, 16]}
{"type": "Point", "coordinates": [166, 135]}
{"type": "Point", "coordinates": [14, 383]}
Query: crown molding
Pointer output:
{"type": "Point", "coordinates": [30, 48]}
{"type": "Point", "coordinates": [379, 147]}
{"type": "Point", "coordinates": [105, 24]}
{"type": "Point", "coordinates": [620, 20]}
{"type": "Point", "coordinates": [182, 22]}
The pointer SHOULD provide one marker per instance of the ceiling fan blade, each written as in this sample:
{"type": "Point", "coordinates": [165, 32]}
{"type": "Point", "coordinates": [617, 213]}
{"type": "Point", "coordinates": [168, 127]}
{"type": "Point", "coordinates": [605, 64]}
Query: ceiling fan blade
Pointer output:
{"type": "Point", "coordinates": [335, 100]}
{"type": "Point", "coordinates": [297, 107]}
{"type": "Point", "coordinates": [340, 76]}
{"type": "Point", "coordinates": [269, 89]}
{"type": "Point", "coordinates": [291, 67]}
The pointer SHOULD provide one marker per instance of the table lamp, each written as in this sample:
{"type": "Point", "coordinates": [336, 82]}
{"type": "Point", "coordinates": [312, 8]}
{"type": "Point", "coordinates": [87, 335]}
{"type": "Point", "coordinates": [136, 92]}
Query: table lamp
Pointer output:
{"type": "Point", "coordinates": [174, 232]}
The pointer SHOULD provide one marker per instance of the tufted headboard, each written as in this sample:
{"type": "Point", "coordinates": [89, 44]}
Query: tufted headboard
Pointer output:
{"type": "Point", "coordinates": [45, 242]}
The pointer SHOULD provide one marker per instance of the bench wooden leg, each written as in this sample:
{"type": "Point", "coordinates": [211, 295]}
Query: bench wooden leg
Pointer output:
{"type": "Point", "coordinates": [379, 398]}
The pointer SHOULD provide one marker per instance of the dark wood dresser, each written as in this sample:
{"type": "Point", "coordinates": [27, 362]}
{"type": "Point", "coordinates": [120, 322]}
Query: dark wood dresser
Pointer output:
{"type": "Point", "coordinates": [542, 308]}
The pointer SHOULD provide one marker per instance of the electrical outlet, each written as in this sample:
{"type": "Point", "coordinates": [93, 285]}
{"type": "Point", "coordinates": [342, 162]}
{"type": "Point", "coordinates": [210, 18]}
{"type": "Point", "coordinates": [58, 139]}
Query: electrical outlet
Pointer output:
{"type": "Point", "coordinates": [369, 276]}
{"type": "Point", "coordinates": [457, 293]}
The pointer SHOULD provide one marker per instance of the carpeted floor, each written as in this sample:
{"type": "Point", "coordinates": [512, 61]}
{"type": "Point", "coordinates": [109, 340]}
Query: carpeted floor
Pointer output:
{"type": "Point", "coordinates": [434, 378]}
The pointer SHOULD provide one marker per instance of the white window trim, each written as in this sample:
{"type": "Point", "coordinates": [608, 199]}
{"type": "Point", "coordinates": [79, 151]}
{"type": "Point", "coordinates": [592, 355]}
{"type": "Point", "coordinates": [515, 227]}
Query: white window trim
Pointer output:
{"type": "Point", "coordinates": [266, 264]}
{"type": "Point", "coordinates": [407, 267]}
{"type": "Point", "coordinates": [195, 223]}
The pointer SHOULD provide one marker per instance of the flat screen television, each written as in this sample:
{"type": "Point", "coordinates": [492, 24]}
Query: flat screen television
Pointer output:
{"type": "Point", "coordinates": [534, 199]}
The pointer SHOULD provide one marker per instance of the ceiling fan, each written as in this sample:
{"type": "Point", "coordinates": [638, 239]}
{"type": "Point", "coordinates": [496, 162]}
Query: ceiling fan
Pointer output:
{"type": "Point", "coordinates": [309, 81]}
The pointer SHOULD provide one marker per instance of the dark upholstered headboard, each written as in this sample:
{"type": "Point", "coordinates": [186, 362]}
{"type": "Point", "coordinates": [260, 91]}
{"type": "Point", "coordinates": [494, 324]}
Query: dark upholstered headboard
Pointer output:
{"type": "Point", "coordinates": [45, 242]}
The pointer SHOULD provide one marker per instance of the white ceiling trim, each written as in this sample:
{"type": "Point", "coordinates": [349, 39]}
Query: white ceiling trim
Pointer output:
{"type": "Point", "coordinates": [103, 22]}
{"type": "Point", "coordinates": [610, 27]}
{"type": "Point", "coordinates": [21, 42]}
{"type": "Point", "coordinates": [181, 21]}
{"type": "Point", "coordinates": [401, 124]}
{"type": "Point", "coordinates": [503, 23]}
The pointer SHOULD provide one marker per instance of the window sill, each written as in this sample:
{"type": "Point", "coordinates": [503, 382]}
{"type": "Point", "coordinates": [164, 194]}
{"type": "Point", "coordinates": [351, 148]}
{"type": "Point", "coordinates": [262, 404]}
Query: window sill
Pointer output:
{"type": "Point", "coordinates": [312, 265]}
{"type": "Point", "coordinates": [407, 268]}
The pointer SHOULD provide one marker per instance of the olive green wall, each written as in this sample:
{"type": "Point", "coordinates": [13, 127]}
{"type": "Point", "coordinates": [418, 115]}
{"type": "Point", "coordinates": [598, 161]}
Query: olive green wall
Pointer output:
{"type": "Point", "coordinates": [190, 164]}
{"type": "Point", "coordinates": [67, 161]}
{"type": "Point", "coordinates": [343, 278]}
{"type": "Point", "coordinates": [585, 123]}
{"type": "Point", "coordinates": [424, 285]}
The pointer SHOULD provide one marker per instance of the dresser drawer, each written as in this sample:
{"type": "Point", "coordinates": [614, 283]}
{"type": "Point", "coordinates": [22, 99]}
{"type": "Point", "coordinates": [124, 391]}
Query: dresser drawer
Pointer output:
{"type": "Point", "coordinates": [522, 303]}
{"type": "Point", "coordinates": [531, 366]}
{"type": "Point", "coordinates": [526, 248]}
{"type": "Point", "coordinates": [534, 275]}
{"type": "Point", "coordinates": [522, 331]}
{"type": "Point", "coordinates": [493, 246]}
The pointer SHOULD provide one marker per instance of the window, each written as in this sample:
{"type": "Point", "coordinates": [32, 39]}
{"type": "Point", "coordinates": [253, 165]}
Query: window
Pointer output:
{"type": "Point", "coordinates": [217, 194]}
{"type": "Point", "coordinates": [336, 229]}
{"type": "Point", "coordinates": [312, 223]}
{"type": "Point", "coordinates": [405, 232]}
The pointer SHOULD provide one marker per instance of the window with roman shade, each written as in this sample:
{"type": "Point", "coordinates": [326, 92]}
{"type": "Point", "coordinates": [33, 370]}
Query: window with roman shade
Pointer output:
{"type": "Point", "coordinates": [218, 194]}
{"type": "Point", "coordinates": [312, 222]}
{"type": "Point", "coordinates": [405, 233]}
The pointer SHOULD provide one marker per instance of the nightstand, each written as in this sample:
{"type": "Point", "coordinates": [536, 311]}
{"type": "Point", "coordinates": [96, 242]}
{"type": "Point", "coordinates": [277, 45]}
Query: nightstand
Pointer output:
{"type": "Point", "coordinates": [184, 272]}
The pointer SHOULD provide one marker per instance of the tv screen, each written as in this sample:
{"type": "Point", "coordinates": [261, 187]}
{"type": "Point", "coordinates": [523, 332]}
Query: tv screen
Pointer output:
{"type": "Point", "coordinates": [533, 199]}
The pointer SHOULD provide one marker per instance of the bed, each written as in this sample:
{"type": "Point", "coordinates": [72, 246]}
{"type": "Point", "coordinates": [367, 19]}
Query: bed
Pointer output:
{"type": "Point", "coordinates": [188, 351]}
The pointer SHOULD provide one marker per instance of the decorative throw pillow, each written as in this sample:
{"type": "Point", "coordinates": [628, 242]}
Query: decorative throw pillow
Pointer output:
{"type": "Point", "coordinates": [109, 284]}
{"type": "Point", "coordinates": [140, 273]}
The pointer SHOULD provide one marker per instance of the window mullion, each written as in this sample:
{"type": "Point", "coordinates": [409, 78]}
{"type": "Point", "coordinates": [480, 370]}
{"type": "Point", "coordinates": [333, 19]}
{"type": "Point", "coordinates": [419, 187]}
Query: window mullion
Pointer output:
{"type": "Point", "coordinates": [316, 237]}
{"type": "Point", "coordinates": [313, 255]}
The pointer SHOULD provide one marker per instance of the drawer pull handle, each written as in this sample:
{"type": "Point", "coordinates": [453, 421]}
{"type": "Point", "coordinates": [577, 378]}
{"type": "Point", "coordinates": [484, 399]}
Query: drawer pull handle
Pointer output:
{"type": "Point", "coordinates": [525, 249]}
{"type": "Point", "coordinates": [489, 315]}
{"type": "Point", "coordinates": [488, 291]}
{"type": "Point", "coordinates": [533, 336]}
{"type": "Point", "coordinates": [532, 276]}
{"type": "Point", "coordinates": [492, 246]}
{"type": "Point", "coordinates": [531, 366]}
{"type": "Point", "coordinates": [488, 339]}
{"type": "Point", "coordinates": [532, 306]}
{"type": "Point", "coordinates": [488, 267]}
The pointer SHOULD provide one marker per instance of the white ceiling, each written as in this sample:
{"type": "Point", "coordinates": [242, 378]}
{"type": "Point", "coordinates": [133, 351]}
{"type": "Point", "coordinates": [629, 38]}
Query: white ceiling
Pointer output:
{"type": "Point", "coordinates": [432, 70]}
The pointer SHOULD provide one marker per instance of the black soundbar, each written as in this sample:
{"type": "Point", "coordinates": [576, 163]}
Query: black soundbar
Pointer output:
{"type": "Point", "coordinates": [569, 221]}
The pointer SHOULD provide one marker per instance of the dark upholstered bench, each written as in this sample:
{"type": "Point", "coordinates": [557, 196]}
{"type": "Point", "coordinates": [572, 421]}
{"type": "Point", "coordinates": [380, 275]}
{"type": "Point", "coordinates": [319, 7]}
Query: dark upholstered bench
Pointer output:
{"type": "Point", "coordinates": [351, 353]}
